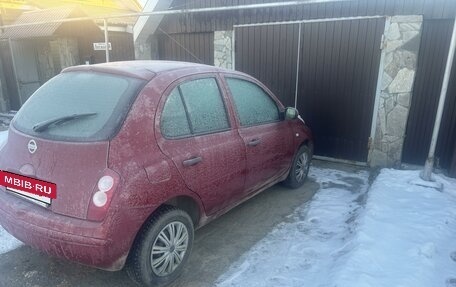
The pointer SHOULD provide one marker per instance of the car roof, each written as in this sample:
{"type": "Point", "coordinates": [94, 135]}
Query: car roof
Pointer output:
{"type": "Point", "coordinates": [145, 70]}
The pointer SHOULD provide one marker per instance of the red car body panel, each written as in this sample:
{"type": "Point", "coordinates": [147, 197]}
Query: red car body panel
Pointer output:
{"type": "Point", "coordinates": [270, 158]}
{"type": "Point", "coordinates": [150, 169]}
{"type": "Point", "coordinates": [222, 160]}
{"type": "Point", "coordinates": [61, 162]}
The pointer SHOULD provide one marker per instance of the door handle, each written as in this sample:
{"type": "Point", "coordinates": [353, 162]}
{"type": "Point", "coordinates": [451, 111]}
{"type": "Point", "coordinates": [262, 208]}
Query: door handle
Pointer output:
{"type": "Point", "coordinates": [192, 161]}
{"type": "Point", "coordinates": [254, 142]}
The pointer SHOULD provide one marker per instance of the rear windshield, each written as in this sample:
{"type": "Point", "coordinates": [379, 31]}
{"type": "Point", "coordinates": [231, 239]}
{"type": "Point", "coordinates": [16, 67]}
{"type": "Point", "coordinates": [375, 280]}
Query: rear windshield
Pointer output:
{"type": "Point", "coordinates": [105, 97]}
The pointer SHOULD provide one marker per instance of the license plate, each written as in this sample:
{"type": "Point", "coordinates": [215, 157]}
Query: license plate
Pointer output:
{"type": "Point", "coordinates": [36, 190]}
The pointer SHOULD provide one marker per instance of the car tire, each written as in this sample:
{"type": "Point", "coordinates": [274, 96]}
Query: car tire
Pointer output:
{"type": "Point", "coordinates": [149, 269]}
{"type": "Point", "coordinates": [299, 168]}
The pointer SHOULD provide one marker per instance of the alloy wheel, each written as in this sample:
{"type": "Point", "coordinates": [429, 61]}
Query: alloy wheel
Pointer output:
{"type": "Point", "coordinates": [169, 248]}
{"type": "Point", "coordinates": [302, 166]}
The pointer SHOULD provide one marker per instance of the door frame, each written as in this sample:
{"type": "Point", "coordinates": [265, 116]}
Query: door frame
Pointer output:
{"type": "Point", "coordinates": [301, 22]}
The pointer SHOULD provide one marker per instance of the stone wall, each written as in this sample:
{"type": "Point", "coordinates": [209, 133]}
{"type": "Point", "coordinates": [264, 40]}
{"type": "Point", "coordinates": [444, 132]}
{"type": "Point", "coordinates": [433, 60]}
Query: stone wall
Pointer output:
{"type": "Point", "coordinates": [401, 45]}
{"type": "Point", "coordinates": [223, 47]}
{"type": "Point", "coordinates": [143, 49]}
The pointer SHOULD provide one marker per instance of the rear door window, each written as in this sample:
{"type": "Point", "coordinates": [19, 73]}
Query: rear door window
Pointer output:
{"type": "Point", "coordinates": [253, 105]}
{"type": "Point", "coordinates": [204, 104]}
{"type": "Point", "coordinates": [174, 122]}
{"type": "Point", "coordinates": [106, 96]}
{"type": "Point", "coordinates": [194, 107]}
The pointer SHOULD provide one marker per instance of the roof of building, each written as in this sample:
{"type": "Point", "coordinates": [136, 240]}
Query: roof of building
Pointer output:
{"type": "Point", "coordinates": [123, 5]}
{"type": "Point", "coordinates": [29, 11]}
{"type": "Point", "coordinates": [41, 30]}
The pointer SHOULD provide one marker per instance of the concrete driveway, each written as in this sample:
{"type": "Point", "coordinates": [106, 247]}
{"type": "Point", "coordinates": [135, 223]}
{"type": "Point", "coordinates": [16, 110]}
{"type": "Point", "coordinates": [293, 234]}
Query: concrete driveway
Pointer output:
{"type": "Point", "coordinates": [216, 246]}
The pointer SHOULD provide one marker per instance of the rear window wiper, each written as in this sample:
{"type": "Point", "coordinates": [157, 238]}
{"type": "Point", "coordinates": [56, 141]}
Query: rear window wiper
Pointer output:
{"type": "Point", "coordinates": [39, 127]}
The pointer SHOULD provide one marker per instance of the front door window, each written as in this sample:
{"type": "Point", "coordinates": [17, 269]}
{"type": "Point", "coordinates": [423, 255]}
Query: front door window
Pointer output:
{"type": "Point", "coordinates": [252, 104]}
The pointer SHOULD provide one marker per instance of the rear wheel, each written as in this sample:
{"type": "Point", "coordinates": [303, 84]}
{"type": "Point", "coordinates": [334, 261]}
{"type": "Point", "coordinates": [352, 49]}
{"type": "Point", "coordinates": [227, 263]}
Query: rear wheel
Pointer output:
{"type": "Point", "coordinates": [162, 248]}
{"type": "Point", "coordinates": [299, 168]}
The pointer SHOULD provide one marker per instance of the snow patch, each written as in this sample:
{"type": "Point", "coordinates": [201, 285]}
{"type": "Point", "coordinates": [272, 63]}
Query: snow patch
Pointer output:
{"type": "Point", "coordinates": [406, 234]}
{"type": "Point", "coordinates": [397, 234]}
{"type": "Point", "coordinates": [303, 252]}
{"type": "Point", "coordinates": [7, 241]}
{"type": "Point", "coordinates": [3, 138]}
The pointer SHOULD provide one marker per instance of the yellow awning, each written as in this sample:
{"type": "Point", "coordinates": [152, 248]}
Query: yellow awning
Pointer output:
{"type": "Point", "coordinates": [15, 5]}
{"type": "Point", "coordinates": [97, 5]}
{"type": "Point", "coordinates": [11, 9]}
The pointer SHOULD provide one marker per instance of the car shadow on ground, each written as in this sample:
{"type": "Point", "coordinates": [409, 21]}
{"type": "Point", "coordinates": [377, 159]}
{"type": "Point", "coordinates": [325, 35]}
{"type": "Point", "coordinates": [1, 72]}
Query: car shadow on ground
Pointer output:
{"type": "Point", "coordinates": [216, 246]}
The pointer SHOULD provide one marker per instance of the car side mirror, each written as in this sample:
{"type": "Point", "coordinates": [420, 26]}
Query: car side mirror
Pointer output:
{"type": "Point", "coordinates": [291, 113]}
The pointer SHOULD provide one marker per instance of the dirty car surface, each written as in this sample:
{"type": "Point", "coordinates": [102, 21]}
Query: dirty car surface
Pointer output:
{"type": "Point", "coordinates": [142, 154]}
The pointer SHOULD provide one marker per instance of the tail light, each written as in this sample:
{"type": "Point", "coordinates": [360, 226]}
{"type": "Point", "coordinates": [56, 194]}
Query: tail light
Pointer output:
{"type": "Point", "coordinates": [102, 195]}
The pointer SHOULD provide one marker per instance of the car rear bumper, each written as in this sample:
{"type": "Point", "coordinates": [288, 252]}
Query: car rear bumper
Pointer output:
{"type": "Point", "coordinates": [78, 240]}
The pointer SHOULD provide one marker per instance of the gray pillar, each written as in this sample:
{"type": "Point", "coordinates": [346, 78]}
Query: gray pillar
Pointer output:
{"type": "Point", "coordinates": [223, 49]}
{"type": "Point", "coordinates": [401, 44]}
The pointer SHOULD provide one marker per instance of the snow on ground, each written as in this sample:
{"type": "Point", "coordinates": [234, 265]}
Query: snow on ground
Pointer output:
{"type": "Point", "coordinates": [7, 242]}
{"type": "Point", "coordinates": [3, 137]}
{"type": "Point", "coordinates": [402, 235]}
{"type": "Point", "coordinates": [305, 249]}
{"type": "Point", "coordinates": [406, 236]}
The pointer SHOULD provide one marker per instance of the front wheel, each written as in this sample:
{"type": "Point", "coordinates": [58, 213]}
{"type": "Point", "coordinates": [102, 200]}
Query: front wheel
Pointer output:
{"type": "Point", "coordinates": [162, 248]}
{"type": "Point", "coordinates": [299, 168]}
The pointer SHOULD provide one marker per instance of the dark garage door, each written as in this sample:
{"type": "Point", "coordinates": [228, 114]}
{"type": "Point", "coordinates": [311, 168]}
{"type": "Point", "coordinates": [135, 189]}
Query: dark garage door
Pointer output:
{"type": "Point", "coordinates": [269, 53]}
{"type": "Point", "coordinates": [337, 77]}
{"type": "Point", "coordinates": [188, 47]}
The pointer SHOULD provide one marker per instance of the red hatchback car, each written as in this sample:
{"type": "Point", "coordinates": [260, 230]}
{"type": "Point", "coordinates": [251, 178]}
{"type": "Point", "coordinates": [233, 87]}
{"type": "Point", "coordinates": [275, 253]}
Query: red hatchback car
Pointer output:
{"type": "Point", "coordinates": [142, 153]}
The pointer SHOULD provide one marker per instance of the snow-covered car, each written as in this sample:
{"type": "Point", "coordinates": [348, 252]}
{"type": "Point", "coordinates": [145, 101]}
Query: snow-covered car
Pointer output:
{"type": "Point", "coordinates": [140, 154]}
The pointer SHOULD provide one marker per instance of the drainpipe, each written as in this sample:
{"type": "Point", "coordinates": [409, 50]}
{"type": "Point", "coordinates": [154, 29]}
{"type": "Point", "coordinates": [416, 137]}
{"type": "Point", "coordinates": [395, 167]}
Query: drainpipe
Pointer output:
{"type": "Point", "coordinates": [106, 36]}
{"type": "Point", "coordinates": [298, 61]}
{"type": "Point", "coordinates": [428, 166]}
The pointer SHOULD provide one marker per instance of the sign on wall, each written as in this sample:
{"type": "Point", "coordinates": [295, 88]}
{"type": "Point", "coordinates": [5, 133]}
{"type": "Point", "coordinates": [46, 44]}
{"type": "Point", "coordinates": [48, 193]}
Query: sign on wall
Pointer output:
{"type": "Point", "coordinates": [101, 46]}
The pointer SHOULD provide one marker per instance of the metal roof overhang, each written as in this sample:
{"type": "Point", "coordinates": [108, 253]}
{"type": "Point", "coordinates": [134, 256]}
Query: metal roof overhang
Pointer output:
{"type": "Point", "coordinates": [49, 29]}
